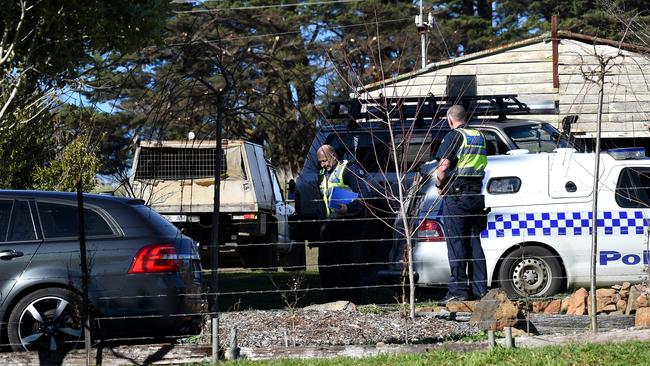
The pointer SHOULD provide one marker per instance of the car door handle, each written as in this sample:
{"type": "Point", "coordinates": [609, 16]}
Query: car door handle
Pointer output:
{"type": "Point", "coordinates": [10, 254]}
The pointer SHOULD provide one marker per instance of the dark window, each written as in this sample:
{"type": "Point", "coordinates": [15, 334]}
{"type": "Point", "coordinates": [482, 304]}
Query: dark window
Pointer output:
{"type": "Point", "coordinates": [372, 150]}
{"type": "Point", "coordinates": [369, 150]}
{"type": "Point", "coordinates": [5, 214]}
{"type": "Point", "coordinates": [461, 85]}
{"type": "Point", "coordinates": [539, 137]}
{"type": "Point", "coordinates": [176, 164]}
{"type": "Point", "coordinates": [22, 226]}
{"type": "Point", "coordinates": [633, 188]}
{"type": "Point", "coordinates": [60, 221]}
{"type": "Point", "coordinates": [494, 143]}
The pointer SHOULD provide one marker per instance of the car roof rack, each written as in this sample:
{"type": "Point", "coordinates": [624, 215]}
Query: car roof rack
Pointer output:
{"type": "Point", "coordinates": [419, 109]}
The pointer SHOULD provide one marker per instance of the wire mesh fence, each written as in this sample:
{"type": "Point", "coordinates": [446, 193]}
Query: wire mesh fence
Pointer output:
{"type": "Point", "coordinates": [373, 276]}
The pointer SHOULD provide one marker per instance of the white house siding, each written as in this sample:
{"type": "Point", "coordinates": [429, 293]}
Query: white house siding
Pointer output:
{"type": "Point", "coordinates": [626, 97]}
{"type": "Point", "coordinates": [526, 69]}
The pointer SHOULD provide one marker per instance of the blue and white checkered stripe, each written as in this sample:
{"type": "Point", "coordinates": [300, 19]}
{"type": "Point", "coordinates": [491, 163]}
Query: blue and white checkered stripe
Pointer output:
{"type": "Point", "coordinates": [564, 224]}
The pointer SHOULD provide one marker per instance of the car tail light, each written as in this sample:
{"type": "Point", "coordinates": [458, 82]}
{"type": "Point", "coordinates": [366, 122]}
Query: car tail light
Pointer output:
{"type": "Point", "coordinates": [246, 216]}
{"type": "Point", "coordinates": [155, 258]}
{"type": "Point", "coordinates": [430, 230]}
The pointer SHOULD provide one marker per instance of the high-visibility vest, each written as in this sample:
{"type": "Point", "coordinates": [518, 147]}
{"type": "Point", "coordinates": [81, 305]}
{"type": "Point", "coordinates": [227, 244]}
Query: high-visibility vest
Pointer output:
{"type": "Point", "coordinates": [335, 180]}
{"type": "Point", "coordinates": [472, 154]}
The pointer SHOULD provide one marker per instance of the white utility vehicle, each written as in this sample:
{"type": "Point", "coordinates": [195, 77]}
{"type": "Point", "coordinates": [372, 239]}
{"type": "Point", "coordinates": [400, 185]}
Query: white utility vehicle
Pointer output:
{"type": "Point", "coordinates": [176, 178]}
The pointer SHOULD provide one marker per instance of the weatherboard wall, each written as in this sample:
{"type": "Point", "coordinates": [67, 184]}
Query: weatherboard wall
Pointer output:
{"type": "Point", "coordinates": [527, 70]}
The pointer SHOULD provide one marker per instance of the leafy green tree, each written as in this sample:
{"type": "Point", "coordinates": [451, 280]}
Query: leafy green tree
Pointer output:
{"type": "Point", "coordinates": [517, 19]}
{"type": "Point", "coordinates": [76, 162]}
{"type": "Point", "coordinates": [261, 71]}
{"type": "Point", "coordinates": [22, 147]}
{"type": "Point", "coordinates": [45, 48]}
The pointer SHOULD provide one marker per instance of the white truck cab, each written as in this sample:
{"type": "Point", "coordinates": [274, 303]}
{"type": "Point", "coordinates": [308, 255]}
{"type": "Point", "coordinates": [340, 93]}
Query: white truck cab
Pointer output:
{"type": "Point", "coordinates": [538, 237]}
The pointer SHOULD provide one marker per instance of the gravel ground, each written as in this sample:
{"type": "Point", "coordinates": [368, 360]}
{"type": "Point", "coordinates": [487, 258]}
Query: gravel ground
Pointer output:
{"type": "Point", "coordinates": [317, 328]}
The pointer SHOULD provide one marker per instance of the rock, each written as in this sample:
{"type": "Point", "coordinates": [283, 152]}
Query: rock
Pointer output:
{"type": "Point", "coordinates": [631, 303]}
{"type": "Point", "coordinates": [617, 287]}
{"type": "Point", "coordinates": [642, 318]}
{"type": "Point", "coordinates": [553, 307]}
{"type": "Point", "coordinates": [461, 306]}
{"type": "Point", "coordinates": [340, 305]}
{"type": "Point", "coordinates": [601, 302]}
{"type": "Point", "coordinates": [539, 306]}
{"type": "Point", "coordinates": [577, 302]}
{"type": "Point", "coordinates": [624, 294]}
{"type": "Point", "coordinates": [565, 305]}
{"type": "Point", "coordinates": [605, 292]}
{"type": "Point", "coordinates": [639, 287]}
{"type": "Point", "coordinates": [615, 298]}
{"type": "Point", "coordinates": [625, 286]}
{"type": "Point", "coordinates": [516, 332]}
{"type": "Point", "coordinates": [609, 308]}
{"type": "Point", "coordinates": [547, 307]}
{"type": "Point", "coordinates": [620, 305]}
{"type": "Point", "coordinates": [494, 311]}
{"type": "Point", "coordinates": [642, 301]}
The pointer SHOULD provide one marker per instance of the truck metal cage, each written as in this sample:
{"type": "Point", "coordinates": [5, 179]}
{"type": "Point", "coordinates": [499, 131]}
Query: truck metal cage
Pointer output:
{"type": "Point", "coordinates": [169, 163]}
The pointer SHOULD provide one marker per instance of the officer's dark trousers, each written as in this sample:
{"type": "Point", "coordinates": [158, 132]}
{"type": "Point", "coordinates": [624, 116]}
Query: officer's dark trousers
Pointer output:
{"type": "Point", "coordinates": [339, 255]}
{"type": "Point", "coordinates": [463, 221]}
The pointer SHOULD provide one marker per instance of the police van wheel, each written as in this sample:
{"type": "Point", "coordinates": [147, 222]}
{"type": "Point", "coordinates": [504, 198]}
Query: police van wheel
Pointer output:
{"type": "Point", "coordinates": [531, 271]}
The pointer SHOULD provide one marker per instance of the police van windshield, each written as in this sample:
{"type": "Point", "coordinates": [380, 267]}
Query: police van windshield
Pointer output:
{"type": "Point", "coordinates": [536, 138]}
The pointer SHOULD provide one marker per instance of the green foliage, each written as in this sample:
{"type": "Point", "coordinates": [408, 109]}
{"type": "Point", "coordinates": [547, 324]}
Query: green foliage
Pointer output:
{"type": "Point", "coordinates": [48, 46]}
{"type": "Point", "coordinates": [479, 336]}
{"type": "Point", "coordinates": [77, 161]}
{"type": "Point", "coordinates": [25, 142]}
{"type": "Point", "coordinates": [57, 37]}
{"type": "Point", "coordinates": [265, 73]}
{"type": "Point", "coordinates": [257, 72]}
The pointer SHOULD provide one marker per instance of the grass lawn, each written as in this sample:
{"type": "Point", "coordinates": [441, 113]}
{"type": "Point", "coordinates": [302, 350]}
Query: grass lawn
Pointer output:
{"type": "Point", "coordinates": [243, 289]}
{"type": "Point", "coordinates": [630, 353]}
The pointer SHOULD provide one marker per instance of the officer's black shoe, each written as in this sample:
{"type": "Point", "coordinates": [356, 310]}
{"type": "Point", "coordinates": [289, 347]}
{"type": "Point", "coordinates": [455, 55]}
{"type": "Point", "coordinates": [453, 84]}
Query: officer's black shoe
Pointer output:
{"type": "Point", "coordinates": [451, 298]}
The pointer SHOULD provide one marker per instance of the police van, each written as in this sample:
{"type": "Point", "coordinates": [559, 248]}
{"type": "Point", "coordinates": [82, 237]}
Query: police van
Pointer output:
{"type": "Point", "coordinates": [539, 231]}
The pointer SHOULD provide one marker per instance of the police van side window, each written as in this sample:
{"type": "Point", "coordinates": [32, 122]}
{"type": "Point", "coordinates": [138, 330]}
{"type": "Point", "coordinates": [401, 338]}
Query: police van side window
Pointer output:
{"type": "Point", "coordinates": [494, 143]}
{"type": "Point", "coordinates": [633, 188]}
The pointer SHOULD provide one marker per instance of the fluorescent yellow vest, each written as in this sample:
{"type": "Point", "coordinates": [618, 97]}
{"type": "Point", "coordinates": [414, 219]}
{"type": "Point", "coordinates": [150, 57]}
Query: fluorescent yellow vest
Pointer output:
{"type": "Point", "coordinates": [327, 185]}
{"type": "Point", "coordinates": [472, 154]}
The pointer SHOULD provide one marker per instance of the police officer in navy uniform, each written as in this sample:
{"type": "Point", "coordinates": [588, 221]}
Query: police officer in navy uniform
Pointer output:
{"type": "Point", "coordinates": [339, 252]}
{"type": "Point", "coordinates": [462, 159]}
